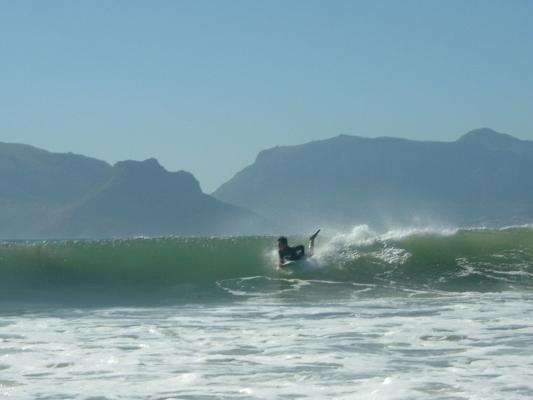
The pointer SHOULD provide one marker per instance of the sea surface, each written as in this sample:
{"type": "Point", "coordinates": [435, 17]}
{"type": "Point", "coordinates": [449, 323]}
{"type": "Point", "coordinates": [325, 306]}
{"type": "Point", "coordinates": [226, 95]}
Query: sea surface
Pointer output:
{"type": "Point", "coordinates": [403, 314]}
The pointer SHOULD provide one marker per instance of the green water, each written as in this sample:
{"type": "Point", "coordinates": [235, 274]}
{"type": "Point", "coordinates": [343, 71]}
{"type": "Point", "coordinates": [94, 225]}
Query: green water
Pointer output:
{"type": "Point", "coordinates": [479, 260]}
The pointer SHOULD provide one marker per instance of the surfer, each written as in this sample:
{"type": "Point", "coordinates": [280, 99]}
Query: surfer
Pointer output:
{"type": "Point", "coordinates": [288, 253]}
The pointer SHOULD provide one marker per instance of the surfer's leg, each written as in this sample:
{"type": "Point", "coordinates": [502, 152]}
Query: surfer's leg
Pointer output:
{"type": "Point", "coordinates": [312, 243]}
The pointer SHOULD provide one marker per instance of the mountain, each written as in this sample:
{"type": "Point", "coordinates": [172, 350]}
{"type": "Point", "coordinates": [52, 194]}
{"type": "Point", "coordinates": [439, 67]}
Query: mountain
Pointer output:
{"type": "Point", "coordinates": [44, 195]}
{"type": "Point", "coordinates": [484, 177]}
{"type": "Point", "coordinates": [28, 173]}
{"type": "Point", "coordinates": [142, 198]}
{"type": "Point", "coordinates": [37, 187]}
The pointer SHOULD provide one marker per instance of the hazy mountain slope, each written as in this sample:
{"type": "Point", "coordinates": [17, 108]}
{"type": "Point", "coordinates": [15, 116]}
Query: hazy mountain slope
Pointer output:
{"type": "Point", "coordinates": [28, 173]}
{"type": "Point", "coordinates": [36, 186]}
{"type": "Point", "coordinates": [142, 198]}
{"type": "Point", "coordinates": [45, 194]}
{"type": "Point", "coordinates": [482, 177]}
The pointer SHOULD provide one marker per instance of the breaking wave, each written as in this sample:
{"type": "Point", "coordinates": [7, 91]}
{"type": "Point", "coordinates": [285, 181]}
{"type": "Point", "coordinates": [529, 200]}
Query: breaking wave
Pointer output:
{"type": "Point", "coordinates": [451, 260]}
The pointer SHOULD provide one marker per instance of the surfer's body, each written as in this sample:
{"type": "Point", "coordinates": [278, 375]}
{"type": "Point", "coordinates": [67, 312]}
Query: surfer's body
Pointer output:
{"type": "Point", "coordinates": [287, 253]}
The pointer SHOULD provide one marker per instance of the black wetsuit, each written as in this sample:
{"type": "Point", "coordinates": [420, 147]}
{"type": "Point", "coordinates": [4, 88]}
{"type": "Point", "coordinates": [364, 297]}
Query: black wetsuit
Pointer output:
{"type": "Point", "coordinates": [292, 253]}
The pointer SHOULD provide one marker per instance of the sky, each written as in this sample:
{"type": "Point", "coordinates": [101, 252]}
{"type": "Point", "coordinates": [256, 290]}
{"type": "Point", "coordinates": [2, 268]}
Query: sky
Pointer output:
{"type": "Point", "coordinates": [205, 85]}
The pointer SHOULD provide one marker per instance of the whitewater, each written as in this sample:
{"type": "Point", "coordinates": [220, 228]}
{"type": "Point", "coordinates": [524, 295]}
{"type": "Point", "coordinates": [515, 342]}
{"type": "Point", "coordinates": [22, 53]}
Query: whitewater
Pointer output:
{"type": "Point", "coordinates": [403, 314]}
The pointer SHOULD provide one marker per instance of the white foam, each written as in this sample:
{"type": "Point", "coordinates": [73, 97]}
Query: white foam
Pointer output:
{"type": "Point", "coordinates": [448, 345]}
{"type": "Point", "coordinates": [346, 247]}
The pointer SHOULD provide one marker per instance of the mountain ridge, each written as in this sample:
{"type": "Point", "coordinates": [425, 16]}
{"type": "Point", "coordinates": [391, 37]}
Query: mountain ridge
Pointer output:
{"type": "Point", "coordinates": [67, 195]}
{"type": "Point", "coordinates": [388, 181]}
{"type": "Point", "coordinates": [483, 177]}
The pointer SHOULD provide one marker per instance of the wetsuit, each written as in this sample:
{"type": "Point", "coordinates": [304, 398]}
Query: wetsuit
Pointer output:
{"type": "Point", "coordinates": [292, 253]}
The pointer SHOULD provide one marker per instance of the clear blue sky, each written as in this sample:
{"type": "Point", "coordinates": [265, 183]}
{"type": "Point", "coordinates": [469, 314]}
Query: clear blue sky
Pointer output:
{"type": "Point", "coordinates": [204, 85]}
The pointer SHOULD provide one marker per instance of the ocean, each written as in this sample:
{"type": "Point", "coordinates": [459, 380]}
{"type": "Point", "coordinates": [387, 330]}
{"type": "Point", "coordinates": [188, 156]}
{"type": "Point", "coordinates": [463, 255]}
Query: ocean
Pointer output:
{"type": "Point", "coordinates": [402, 314]}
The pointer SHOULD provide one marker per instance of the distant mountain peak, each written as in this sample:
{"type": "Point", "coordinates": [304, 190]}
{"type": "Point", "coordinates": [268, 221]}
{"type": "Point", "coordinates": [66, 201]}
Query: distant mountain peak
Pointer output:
{"type": "Point", "coordinates": [487, 136]}
{"type": "Point", "coordinates": [150, 172]}
{"type": "Point", "coordinates": [16, 148]}
{"type": "Point", "coordinates": [150, 163]}
{"type": "Point", "coordinates": [489, 139]}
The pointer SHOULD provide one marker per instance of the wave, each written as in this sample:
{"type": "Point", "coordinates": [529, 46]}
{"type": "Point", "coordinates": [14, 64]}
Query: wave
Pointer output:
{"type": "Point", "coordinates": [455, 260]}
{"type": "Point", "coordinates": [450, 259]}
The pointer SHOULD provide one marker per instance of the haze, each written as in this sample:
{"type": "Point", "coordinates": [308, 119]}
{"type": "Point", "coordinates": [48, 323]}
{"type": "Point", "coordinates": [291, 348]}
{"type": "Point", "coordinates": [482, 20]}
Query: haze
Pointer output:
{"type": "Point", "coordinates": [205, 85]}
